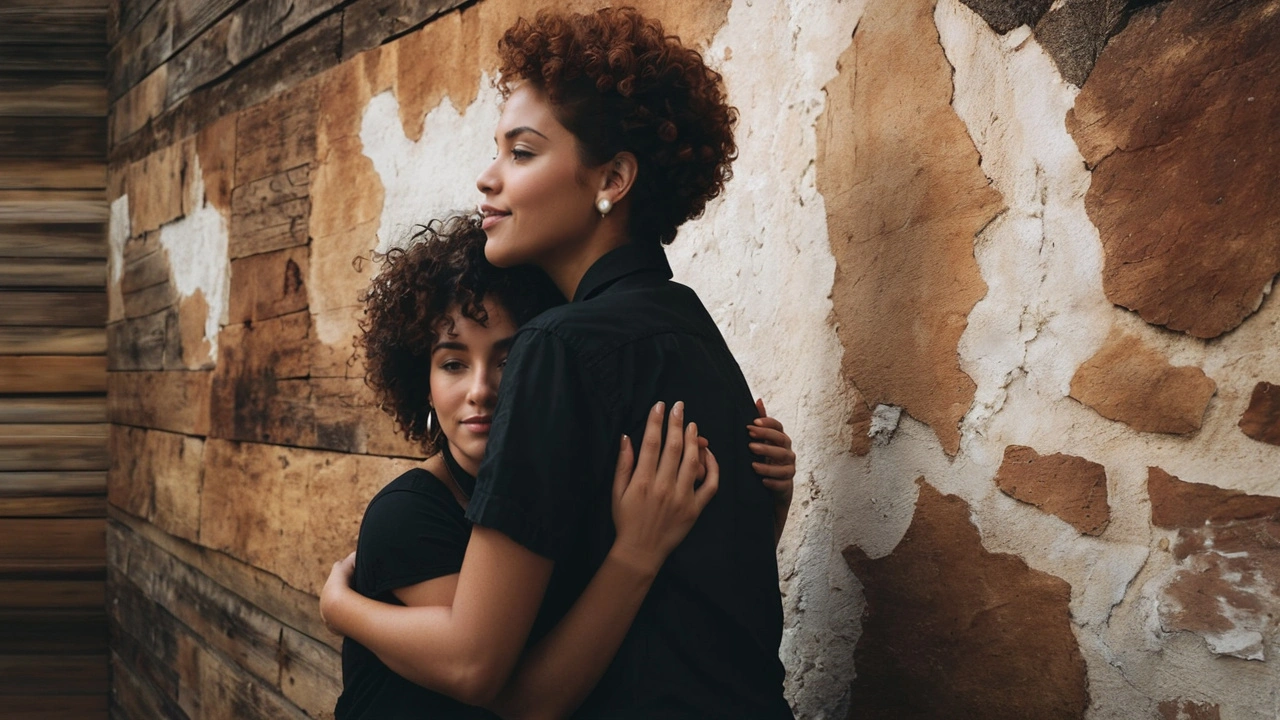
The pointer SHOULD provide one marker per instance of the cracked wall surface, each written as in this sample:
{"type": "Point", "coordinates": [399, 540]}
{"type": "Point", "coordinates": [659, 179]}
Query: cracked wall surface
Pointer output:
{"type": "Point", "coordinates": [970, 256]}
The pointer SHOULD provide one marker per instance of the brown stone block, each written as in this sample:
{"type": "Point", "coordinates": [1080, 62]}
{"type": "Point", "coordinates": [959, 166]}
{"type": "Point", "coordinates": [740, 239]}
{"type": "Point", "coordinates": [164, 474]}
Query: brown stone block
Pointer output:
{"type": "Point", "coordinates": [1186, 93]}
{"type": "Point", "coordinates": [268, 285]}
{"type": "Point", "coordinates": [270, 213]}
{"type": "Point", "coordinates": [1069, 487]}
{"type": "Point", "coordinates": [1005, 15]}
{"type": "Point", "coordinates": [905, 199]}
{"type": "Point", "coordinates": [174, 401]}
{"type": "Point", "coordinates": [1188, 710]}
{"type": "Point", "coordinates": [952, 630]}
{"type": "Point", "coordinates": [1261, 420]}
{"type": "Point", "coordinates": [1074, 32]}
{"type": "Point", "coordinates": [1226, 580]}
{"type": "Point", "coordinates": [1129, 382]}
{"type": "Point", "coordinates": [289, 511]}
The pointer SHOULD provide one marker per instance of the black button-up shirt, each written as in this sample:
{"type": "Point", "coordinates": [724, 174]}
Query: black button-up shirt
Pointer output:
{"type": "Point", "coordinates": [705, 642]}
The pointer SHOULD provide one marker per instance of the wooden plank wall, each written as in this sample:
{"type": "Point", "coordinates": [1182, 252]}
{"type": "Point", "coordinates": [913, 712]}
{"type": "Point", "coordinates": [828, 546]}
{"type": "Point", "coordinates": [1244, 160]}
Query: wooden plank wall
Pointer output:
{"type": "Point", "coordinates": [53, 432]}
{"type": "Point", "coordinates": [212, 554]}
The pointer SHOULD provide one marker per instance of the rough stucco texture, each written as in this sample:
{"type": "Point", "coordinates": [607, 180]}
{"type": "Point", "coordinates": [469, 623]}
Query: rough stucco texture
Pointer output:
{"type": "Point", "coordinates": [1133, 383]}
{"type": "Point", "coordinates": [906, 277]}
{"type": "Point", "coordinates": [1226, 584]}
{"type": "Point", "coordinates": [1187, 94]}
{"type": "Point", "coordinates": [952, 630]}
{"type": "Point", "coordinates": [1067, 486]}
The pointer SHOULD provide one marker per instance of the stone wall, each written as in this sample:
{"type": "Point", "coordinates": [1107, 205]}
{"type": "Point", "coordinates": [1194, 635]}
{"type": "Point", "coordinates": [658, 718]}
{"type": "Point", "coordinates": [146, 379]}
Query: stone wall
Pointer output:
{"type": "Point", "coordinates": [1002, 268]}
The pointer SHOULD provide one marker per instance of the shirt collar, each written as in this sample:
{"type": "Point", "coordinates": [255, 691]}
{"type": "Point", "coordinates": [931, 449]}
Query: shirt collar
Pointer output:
{"type": "Point", "coordinates": [629, 259]}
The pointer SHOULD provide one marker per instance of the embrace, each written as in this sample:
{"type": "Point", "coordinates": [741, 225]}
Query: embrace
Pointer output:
{"type": "Point", "coordinates": [595, 537]}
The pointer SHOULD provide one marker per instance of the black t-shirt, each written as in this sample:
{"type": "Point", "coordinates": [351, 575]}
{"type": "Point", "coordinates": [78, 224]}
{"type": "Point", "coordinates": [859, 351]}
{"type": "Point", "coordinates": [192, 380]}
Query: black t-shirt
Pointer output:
{"type": "Point", "coordinates": [705, 642]}
{"type": "Point", "coordinates": [413, 530]}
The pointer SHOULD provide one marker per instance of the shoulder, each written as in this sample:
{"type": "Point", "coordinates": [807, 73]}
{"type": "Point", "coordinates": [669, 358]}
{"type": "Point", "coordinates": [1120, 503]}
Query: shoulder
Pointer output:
{"type": "Point", "coordinates": [412, 494]}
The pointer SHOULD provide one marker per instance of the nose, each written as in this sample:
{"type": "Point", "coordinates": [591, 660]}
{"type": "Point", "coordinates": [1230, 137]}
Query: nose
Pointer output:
{"type": "Point", "coordinates": [483, 392]}
{"type": "Point", "coordinates": [488, 181]}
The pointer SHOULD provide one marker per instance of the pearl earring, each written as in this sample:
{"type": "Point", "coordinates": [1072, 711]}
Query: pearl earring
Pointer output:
{"type": "Point", "coordinates": [604, 205]}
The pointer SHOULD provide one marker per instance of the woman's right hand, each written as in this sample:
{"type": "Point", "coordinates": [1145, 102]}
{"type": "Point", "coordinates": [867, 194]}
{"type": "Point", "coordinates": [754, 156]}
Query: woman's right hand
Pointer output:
{"type": "Point", "coordinates": [655, 502]}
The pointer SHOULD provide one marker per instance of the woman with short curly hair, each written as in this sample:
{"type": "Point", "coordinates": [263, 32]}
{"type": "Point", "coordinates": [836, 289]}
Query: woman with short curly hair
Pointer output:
{"type": "Point", "coordinates": [612, 135]}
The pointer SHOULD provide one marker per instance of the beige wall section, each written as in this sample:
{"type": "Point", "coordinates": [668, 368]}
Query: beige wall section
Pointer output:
{"type": "Point", "coordinates": [907, 266]}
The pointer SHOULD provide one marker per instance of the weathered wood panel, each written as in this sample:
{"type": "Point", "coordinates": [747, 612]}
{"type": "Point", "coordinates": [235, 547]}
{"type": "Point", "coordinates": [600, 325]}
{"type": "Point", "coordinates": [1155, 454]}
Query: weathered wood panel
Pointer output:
{"type": "Point", "coordinates": [53, 373]}
{"type": "Point", "coordinates": [71, 506]}
{"type": "Point", "coordinates": [369, 23]}
{"type": "Point", "coordinates": [191, 638]}
{"type": "Point", "coordinates": [42, 174]}
{"type": "Point", "coordinates": [52, 341]}
{"type": "Point", "coordinates": [52, 539]}
{"type": "Point", "coordinates": [268, 285]}
{"type": "Point", "coordinates": [26, 483]}
{"type": "Point", "coordinates": [48, 206]}
{"type": "Point", "coordinates": [271, 213]}
{"type": "Point", "coordinates": [53, 447]}
{"type": "Point", "coordinates": [53, 240]}
{"type": "Point", "coordinates": [173, 401]}
{"type": "Point", "coordinates": [55, 95]}
{"type": "Point", "coordinates": [69, 631]}
{"type": "Point", "coordinates": [52, 593]}
{"type": "Point", "coordinates": [53, 137]}
{"type": "Point", "coordinates": [53, 409]}
{"type": "Point", "coordinates": [156, 475]}
{"type": "Point", "coordinates": [38, 272]}
{"type": "Point", "coordinates": [53, 309]}
{"type": "Point", "coordinates": [54, 707]}
{"type": "Point", "coordinates": [29, 675]}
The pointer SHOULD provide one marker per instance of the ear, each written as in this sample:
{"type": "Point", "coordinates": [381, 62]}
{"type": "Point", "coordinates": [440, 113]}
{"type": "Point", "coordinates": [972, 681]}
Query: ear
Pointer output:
{"type": "Point", "coordinates": [619, 176]}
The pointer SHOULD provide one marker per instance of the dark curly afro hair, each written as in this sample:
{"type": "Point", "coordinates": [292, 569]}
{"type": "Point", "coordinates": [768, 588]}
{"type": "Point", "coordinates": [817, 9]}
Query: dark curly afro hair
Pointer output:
{"type": "Point", "coordinates": [619, 83]}
{"type": "Point", "coordinates": [408, 305]}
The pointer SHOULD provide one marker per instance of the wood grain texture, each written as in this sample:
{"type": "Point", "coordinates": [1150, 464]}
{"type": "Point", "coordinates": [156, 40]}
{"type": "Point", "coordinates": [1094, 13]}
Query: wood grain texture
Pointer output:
{"type": "Point", "coordinates": [60, 273]}
{"type": "Point", "coordinates": [69, 506]}
{"type": "Point", "coordinates": [53, 374]}
{"type": "Point", "coordinates": [71, 174]}
{"type": "Point", "coordinates": [53, 309]}
{"type": "Point", "coordinates": [173, 401]}
{"type": "Point", "coordinates": [35, 483]}
{"type": "Point", "coordinates": [53, 675]}
{"type": "Point", "coordinates": [53, 240]}
{"type": "Point", "coordinates": [53, 447]}
{"type": "Point", "coordinates": [52, 341]}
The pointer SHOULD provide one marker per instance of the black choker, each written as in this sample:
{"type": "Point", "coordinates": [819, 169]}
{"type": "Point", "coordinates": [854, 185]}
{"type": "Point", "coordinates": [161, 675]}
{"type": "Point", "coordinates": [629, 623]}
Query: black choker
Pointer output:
{"type": "Point", "coordinates": [465, 480]}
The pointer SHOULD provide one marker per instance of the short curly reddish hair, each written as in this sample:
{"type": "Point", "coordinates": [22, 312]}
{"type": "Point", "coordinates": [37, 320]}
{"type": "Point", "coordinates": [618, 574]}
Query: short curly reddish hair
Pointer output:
{"type": "Point", "coordinates": [619, 83]}
{"type": "Point", "coordinates": [407, 305]}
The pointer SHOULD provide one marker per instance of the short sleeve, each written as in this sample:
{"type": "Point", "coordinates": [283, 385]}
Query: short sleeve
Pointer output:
{"type": "Point", "coordinates": [532, 483]}
{"type": "Point", "coordinates": [410, 533]}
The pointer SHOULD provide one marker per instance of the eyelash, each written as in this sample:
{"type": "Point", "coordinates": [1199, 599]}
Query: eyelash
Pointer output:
{"type": "Point", "coordinates": [521, 154]}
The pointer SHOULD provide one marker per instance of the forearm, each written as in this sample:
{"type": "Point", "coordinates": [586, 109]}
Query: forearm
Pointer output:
{"type": "Point", "coordinates": [400, 637]}
{"type": "Point", "coordinates": [554, 677]}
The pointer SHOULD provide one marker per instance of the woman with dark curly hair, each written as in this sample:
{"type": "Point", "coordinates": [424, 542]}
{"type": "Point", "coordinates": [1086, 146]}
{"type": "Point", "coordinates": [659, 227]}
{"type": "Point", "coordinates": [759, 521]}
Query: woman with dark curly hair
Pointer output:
{"type": "Point", "coordinates": [612, 135]}
{"type": "Point", "coordinates": [439, 305]}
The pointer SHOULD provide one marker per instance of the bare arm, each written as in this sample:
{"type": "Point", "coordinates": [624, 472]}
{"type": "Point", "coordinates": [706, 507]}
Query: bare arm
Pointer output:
{"type": "Point", "coordinates": [466, 651]}
{"type": "Point", "coordinates": [653, 509]}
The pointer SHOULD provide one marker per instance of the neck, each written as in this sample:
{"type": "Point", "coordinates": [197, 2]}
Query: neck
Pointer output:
{"type": "Point", "coordinates": [567, 270]}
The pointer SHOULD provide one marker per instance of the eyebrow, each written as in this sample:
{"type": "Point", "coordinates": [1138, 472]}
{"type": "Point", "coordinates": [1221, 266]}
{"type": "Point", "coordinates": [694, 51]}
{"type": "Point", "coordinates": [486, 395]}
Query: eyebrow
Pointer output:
{"type": "Point", "coordinates": [521, 130]}
{"type": "Point", "coordinates": [503, 344]}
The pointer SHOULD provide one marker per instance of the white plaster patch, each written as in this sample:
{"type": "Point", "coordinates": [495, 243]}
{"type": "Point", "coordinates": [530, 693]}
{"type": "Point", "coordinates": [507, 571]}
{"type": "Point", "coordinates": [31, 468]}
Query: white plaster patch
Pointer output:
{"type": "Point", "coordinates": [432, 177]}
{"type": "Point", "coordinates": [884, 421]}
{"type": "Point", "coordinates": [761, 262]}
{"type": "Point", "coordinates": [197, 248]}
{"type": "Point", "coordinates": [118, 233]}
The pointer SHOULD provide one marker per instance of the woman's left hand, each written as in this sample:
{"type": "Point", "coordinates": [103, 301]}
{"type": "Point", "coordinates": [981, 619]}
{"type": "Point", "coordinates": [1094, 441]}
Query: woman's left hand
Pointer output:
{"type": "Point", "coordinates": [778, 471]}
{"type": "Point", "coordinates": [336, 588]}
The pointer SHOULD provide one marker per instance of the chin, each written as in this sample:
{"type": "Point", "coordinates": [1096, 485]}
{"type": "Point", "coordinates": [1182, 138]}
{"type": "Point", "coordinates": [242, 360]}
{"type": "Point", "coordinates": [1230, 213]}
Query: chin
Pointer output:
{"type": "Point", "coordinates": [499, 254]}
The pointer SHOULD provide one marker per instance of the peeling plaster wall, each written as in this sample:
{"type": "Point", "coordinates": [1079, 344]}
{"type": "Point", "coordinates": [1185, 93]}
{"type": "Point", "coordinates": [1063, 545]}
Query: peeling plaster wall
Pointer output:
{"type": "Point", "coordinates": [909, 264]}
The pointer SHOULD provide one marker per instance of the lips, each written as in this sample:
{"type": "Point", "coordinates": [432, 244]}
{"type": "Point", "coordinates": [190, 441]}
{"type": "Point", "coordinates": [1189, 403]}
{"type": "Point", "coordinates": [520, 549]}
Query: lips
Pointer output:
{"type": "Point", "coordinates": [478, 423]}
{"type": "Point", "coordinates": [491, 215]}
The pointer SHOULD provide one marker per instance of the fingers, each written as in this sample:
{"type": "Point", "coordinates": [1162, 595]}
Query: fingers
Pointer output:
{"type": "Point", "coordinates": [777, 485]}
{"type": "Point", "coordinates": [710, 484]}
{"type": "Point", "coordinates": [622, 472]}
{"type": "Point", "coordinates": [768, 435]}
{"type": "Point", "coordinates": [651, 443]}
{"type": "Point", "coordinates": [669, 463]}
{"type": "Point", "coordinates": [767, 422]}
{"type": "Point", "coordinates": [691, 463]}
{"type": "Point", "coordinates": [777, 472]}
{"type": "Point", "coordinates": [760, 407]}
